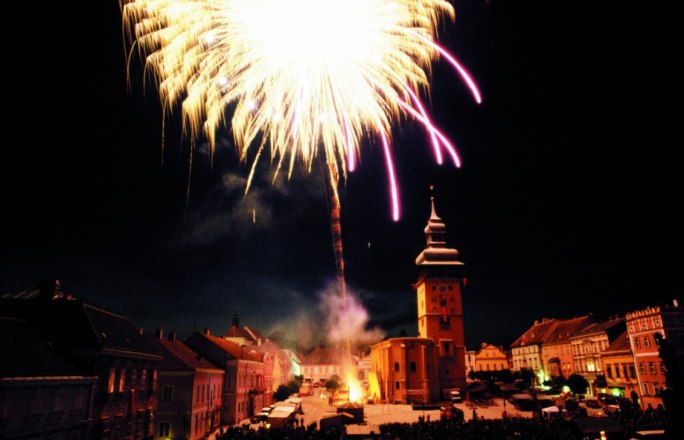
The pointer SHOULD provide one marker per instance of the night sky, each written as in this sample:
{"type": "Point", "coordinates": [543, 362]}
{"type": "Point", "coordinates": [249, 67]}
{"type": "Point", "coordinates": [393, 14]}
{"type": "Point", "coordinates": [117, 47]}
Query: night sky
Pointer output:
{"type": "Point", "coordinates": [568, 201]}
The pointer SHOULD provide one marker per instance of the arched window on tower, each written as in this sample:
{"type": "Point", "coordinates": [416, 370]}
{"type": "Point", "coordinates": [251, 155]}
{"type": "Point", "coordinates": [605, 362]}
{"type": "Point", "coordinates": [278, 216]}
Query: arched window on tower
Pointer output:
{"type": "Point", "coordinates": [396, 366]}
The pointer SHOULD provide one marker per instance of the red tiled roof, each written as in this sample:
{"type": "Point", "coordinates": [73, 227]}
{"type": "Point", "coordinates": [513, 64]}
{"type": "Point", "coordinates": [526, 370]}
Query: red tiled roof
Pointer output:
{"type": "Point", "coordinates": [620, 344]}
{"type": "Point", "coordinates": [535, 334]}
{"type": "Point", "coordinates": [563, 329]}
{"type": "Point", "coordinates": [235, 350]}
{"type": "Point", "coordinates": [178, 356]}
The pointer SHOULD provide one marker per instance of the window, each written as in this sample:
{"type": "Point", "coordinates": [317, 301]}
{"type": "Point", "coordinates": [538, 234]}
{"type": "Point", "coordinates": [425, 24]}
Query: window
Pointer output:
{"type": "Point", "coordinates": [396, 366]}
{"type": "Point", "coordinates": [642, 368]}
{"type": "Point", "coordinates": [656, 388]}
{"type": "Point", "coordinates": [624, 370]}
{"type": "Point", "coordinates": [651, 368]}
{"type": "Point", "coordinates": [647, 342]}
{"type": "Point", "coordinates": [164, 429]}
{"type": "Point", "coordinates": [111, 376]}
{"type": "Point", "coordinates": [609, 371]}
{"type": "Point", "coordinates": [632, 372]}
{"type": "Point", "coordinates": [637, 343]}
{"type": "Point", "coordinates": [167, 393]}
{"type": "Point", "coordinates": [412, 366]}
{"type": "Point", "coordinates": [122, 380]}
{"type": "Point", "coordinates": [445, 347]}
{"type": "Point", "coordinates": [646, 392]}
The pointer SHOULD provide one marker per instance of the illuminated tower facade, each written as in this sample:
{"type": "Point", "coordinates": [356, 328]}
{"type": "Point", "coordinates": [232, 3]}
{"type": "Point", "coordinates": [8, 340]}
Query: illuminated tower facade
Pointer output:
{"type": "Point", "coordinates": [440, 311]}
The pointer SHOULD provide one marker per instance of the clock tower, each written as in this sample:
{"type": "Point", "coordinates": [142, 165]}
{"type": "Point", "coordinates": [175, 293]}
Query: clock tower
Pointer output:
{"type": "Point", "coordinates": [440, 311]}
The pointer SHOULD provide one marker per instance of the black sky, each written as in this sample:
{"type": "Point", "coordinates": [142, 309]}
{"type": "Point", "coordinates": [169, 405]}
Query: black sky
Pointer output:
{"type": "Point", "coordinates": [568, 200]}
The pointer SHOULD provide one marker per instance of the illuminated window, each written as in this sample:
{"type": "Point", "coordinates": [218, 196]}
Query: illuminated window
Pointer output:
{"type": "Point", "coordinates": [164, 429]}
{"type": "Point", "coordinates": [111, 376]}
{"type": "Point", "coordinates": [122, 380]}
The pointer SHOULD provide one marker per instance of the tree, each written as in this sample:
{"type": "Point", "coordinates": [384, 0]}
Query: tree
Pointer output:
{"type": "Point", "coordinates": [282, 393]}
{"type": "Point", "coordinates": [333, 384]}
{"type": "Point", "coordinates": [578, 384]}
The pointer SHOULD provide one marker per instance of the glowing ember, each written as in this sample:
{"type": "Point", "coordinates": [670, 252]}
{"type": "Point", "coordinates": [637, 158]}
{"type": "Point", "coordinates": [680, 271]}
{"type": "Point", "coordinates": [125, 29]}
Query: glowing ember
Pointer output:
{"type": "Point", "coordinates": [300, 77]}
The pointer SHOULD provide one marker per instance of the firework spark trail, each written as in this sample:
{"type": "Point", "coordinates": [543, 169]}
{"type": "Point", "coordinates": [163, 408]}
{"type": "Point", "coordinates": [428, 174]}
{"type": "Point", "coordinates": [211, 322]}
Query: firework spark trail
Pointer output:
{"type": "Point", "coordinates": [300, 78]}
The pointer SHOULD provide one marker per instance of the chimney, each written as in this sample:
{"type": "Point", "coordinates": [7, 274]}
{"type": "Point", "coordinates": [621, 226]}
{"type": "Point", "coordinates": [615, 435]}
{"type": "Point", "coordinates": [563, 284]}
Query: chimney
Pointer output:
{"type": "Point", "coordinates": [172, 336]}
{"type": "Point", "coordinates": [160, 333]}
{"type": "Point", "coordinates": [207, 331]}
{"type": "Point", "coordinates": [236, 320]}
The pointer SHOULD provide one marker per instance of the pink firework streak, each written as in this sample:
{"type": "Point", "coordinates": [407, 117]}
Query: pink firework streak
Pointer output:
{"type": "Point", "coordinates": [437, 137]}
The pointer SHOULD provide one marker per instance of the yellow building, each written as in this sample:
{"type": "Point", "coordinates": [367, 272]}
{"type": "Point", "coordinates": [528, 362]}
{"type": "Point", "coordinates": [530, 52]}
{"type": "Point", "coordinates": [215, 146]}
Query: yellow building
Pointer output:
{"type": "Point", "coordinates": [619, 368]}
{"type": "Point", "coordinates": [490, 358]}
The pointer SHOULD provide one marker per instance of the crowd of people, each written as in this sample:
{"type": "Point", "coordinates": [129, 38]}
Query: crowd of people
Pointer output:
{"type": "Point", "coordinates": [514, 428]}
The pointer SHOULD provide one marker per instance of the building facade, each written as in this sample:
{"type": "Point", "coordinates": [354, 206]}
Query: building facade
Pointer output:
{"type": "Point", "coordinates": [244, 387]}
{"type": "Point", "coordinates": [619, 368]}
{"type": "Point", "coordinates": [406, 370]}
{"type": "Point", "coordinates": [589, 344]}
{"type": "Point", "coordinates": [556, 351]}
{"type": "Point", "coordinates": [490, 358]}
{"type": "Point", "coordinates": [526, 351]}
{"type": "Point", "coordinates": [190, 391]}
{"type": "Point", "coordinates": [103, 344]}
{"type": "Point", "coordinates": [666, 322]}
{"type": "Point", "coordinates": [41, 394]}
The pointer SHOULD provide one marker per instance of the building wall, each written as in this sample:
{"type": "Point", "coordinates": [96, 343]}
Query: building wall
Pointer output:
{"type": "Point", "coordinates": [406, 369]}
{"type": "Point", "coordinates": [620, 373]}
{"type": "Point", "coordinates": [641, 326]}
{"type": "Point", "coordinates": [490, 358]}
{"type": "Point", "coordinates": [189, 403]}
{"type": "Point", "coordinates": [37, 407]}
{"type": "Point", "coordinates": [586, 353]}
{"type": "Point", "coordinates": [243, 390]}
{"type": "Point", "coordinates": [125, 396]}
{"type": "Point", "coordinates": [564, 367]}
{"type": "Point", "coordinates": [440, 318]}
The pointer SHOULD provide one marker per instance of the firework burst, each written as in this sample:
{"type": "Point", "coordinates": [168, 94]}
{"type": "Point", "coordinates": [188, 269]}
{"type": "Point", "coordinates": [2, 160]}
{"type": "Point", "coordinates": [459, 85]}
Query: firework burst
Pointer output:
{"type": "Point", "coordinates": [300, 78]}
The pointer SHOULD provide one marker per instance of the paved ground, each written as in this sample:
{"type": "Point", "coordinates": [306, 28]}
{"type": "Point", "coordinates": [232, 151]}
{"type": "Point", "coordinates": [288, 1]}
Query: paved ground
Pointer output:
{"type": "Point", "coordinates": [316, 407]}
